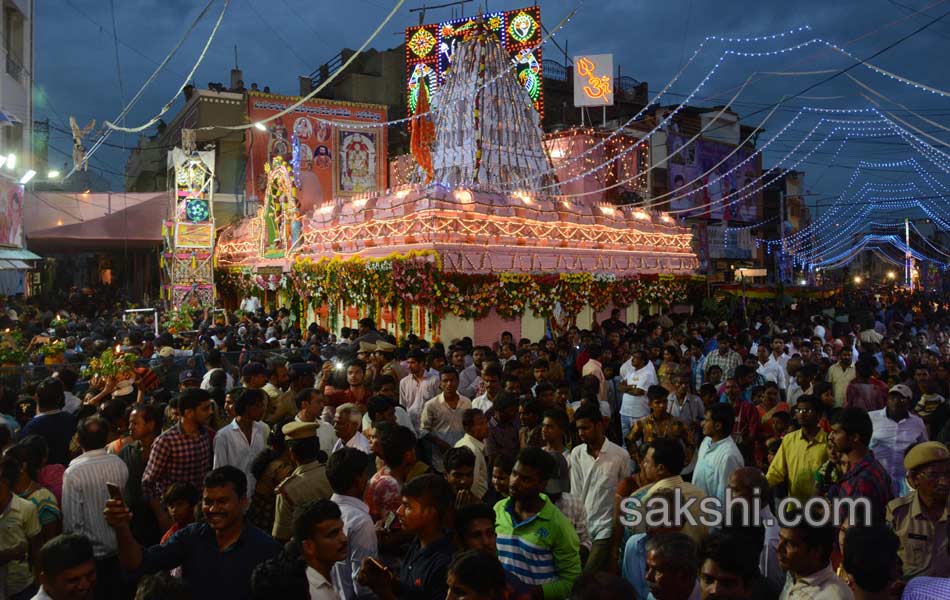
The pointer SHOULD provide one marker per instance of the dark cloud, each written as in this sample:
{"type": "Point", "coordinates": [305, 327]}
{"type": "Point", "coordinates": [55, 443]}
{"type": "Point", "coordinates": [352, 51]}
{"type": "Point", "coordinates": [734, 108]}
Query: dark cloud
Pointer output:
{"type": "Point", "coordinates": [278, 40]}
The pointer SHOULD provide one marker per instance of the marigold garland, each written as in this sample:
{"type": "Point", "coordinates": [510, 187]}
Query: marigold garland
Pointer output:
{"type": "Point", "coordinates": [401, 281]}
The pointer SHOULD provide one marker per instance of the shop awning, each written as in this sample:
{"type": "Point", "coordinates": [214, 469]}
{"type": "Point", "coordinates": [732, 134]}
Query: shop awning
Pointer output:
{"type": "Point", "coordinates": [139, 226]}
{"type": "Point", "coordinates": [14, 265]}
{"type": "Point", "coordinates": [18, 254]}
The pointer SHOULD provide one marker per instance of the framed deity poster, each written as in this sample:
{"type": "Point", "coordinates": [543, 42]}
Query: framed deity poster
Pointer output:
{"type": "Point", "coordinates": [357, 162]}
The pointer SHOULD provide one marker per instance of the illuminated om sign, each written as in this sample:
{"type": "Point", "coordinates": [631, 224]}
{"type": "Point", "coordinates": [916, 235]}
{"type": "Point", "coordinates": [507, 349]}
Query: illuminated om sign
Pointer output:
{"type": "Point", "coordinates": [597, 87]}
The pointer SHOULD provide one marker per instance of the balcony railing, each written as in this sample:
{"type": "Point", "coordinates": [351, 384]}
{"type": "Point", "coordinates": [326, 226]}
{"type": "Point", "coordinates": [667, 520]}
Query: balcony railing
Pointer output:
{"type": "Point", "coordinates": [554, 70]}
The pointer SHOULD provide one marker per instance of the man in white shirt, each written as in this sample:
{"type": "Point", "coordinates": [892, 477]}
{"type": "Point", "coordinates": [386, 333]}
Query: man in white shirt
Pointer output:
{"type": "Point", "coordinates": [240, 441]}
{"type": "Point", "coordinates": [718, 454]}
{"type": "Point", "coordinates": [491, 380]}
{"type": "Point", "coordinates": [417, 388]}
{"type": "Point", "coordinates": [469, 376]}
{"type": "Point", "coordinates": [683, 405]}
{"type": "Point", "coordinates": [840, 375]}
{"type": "Point", "coordinates": [594, 368]}
{"type": "Point", "coordinates": [805, 553]}
{"type": "Point", "coordinates": [319, 533]}
{"type": "Point", "coordinates": [895, 430]}
{"type": "Point", "coordinates": [769, 368]}
{"type": "Point", "coordinates": [801, 384]}
{"type": "Point", "coordinates": [441, 422]}
{"type": "Point", "coordinates": [779, 357]}
{"type": "Point", "coordinates": [347, 472]}
{"type": "Point", "coordinates": [214, 362]}
{"type": "Point", "coordinates": [68, 378]}
{"type": "Point", "coordinates": [346, 424]}
{"type": "Point", "coordinates": [310, 404]}
{"type": "Point", "coordinates": [597, 465]}
{"type": "Point", "coordinates": [250, 304]}
{"type": "Point", "coordinates": [634, 404]}
{"type": "Point", "coordinates": [475, 425]}
{"type": "Point", "coordinates": [85, 494]}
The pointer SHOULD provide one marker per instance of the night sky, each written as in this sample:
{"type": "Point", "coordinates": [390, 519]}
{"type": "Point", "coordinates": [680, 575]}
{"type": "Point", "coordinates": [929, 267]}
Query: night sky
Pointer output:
{"type": "Point", "coordinates": [278, 40]}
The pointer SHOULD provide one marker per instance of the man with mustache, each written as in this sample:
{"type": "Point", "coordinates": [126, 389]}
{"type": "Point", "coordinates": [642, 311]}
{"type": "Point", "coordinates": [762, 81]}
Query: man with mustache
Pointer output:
{"type": "Point", "coordinates": [728, 567]}
{"type": "Point", "coordinates": [67, 569]}
{"type": "Point", "coordinates": [318, 529]}
{"type": "Point", "coordinates": [804, 552]}
{"type": "Point", "coordinates": [217, 555]}
{"type": "Point", "coordinates": [920, 518]}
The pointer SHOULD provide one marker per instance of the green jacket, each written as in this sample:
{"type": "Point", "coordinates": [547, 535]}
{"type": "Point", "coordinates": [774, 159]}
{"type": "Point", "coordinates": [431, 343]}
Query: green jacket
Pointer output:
{"type": "Point", "coordinates": [544, 550]}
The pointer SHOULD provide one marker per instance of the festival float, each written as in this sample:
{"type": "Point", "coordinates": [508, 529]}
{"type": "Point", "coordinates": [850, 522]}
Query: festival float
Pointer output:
{"type": "Point", "coordinates": [480, 241]}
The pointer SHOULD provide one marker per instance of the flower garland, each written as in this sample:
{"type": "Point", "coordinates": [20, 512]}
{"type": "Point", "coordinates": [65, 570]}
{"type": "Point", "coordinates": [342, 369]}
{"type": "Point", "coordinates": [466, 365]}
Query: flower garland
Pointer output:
{"type": "Point", "coordinates": [53, 348]}
{"type": "Point", "coordinates": [177, 321]}
{"type": "Point", "coordinates": [111, 364]}
{"type": "Point", "coordinates": [401, 281]}
{"type": "Point", "coordinates": [12, 350]}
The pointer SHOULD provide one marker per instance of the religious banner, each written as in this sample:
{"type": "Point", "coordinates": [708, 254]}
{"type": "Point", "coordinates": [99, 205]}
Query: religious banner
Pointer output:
{"type": "Point", "coordinates": [356, 162]}
{"type": "Point", "coordinates": [311, 129]}
{"type": "Point", "coordinates": [11, 214]}
{"type": "Point", "coordinates": [717, 180]}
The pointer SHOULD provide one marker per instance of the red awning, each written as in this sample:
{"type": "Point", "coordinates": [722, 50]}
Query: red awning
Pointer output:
{"type": "Point", "coordinates": [138, 226]}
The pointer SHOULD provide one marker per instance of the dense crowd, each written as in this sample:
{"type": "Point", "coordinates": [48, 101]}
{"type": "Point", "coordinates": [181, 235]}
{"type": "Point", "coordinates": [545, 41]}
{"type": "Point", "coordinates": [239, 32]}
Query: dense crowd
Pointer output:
{"type": "Point", "coordinates": [253, 457]}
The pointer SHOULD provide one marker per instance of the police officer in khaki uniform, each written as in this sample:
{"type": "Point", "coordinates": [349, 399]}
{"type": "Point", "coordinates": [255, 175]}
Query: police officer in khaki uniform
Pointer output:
{"type": "Point", "coordinates": [307, 483]}
{"type": "Point", "coordinates": [920, 518]}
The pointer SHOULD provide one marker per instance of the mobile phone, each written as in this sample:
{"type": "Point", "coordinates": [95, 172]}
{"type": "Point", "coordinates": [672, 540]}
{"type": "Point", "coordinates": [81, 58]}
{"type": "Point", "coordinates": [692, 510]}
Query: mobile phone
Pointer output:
{"type": "Point", "coordinates": [376, 563]}
{"type": "Point", "coordinates": [390, 519]}
{"type": "Point", "coordinates": [115, 492]}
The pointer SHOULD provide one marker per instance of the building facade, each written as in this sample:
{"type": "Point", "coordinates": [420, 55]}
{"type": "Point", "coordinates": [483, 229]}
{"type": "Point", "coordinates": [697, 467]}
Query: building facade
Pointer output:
{"type": "Point", "coordinates": [16, 83]}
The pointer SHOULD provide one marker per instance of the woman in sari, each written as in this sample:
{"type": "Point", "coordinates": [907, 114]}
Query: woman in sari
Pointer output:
{"type": "Point", "coordinates": [668, 367]}
{"type": "Point", "coordinates": [771, 404]}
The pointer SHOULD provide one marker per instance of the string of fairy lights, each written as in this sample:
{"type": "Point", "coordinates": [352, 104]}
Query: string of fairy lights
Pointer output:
{"type": "Point", "coordinates": [600, 160]}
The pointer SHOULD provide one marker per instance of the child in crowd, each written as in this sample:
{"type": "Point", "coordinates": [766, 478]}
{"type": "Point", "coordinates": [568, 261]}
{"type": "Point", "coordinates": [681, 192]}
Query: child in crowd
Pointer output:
{"type": "Point", "coordinates": [500, 474]}
{"type": "Point", "coordinates": [181, 500]}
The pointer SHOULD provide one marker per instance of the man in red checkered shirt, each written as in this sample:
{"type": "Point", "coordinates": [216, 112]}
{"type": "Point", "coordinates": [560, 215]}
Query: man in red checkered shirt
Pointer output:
{"type": "Point", "coordinates": [183, 454]}
{"type": "Point", "coordinates": [865, 477]}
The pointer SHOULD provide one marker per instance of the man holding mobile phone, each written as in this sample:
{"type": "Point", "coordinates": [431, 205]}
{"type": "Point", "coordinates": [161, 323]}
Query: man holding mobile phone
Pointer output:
{"type": "Point", "coordinates": [424, 569]}
{"type": "Point", "coordinates": [89, 482]}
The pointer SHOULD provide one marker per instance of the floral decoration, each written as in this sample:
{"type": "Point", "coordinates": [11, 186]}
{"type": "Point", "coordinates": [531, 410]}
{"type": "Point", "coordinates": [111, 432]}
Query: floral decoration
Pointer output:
{"type": "Point", "coordinates": [53, 348]}
{"type": "Point", "coordinates": [111, 364]}
{"type": "Point", "coordinates": [177, 321]}
{"type": "Point", "coordinates": [416, 279]}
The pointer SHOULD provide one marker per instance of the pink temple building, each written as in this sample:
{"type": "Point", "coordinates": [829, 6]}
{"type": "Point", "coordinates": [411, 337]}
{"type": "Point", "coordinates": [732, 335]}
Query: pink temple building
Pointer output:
{"type": "Point", "coordinates": [492, 205]}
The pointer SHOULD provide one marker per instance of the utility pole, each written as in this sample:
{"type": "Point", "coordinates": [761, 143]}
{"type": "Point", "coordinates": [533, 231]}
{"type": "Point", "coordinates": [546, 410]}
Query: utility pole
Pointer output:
{"type": "Point", "coordinates": [781, 233]}
{"type": "Point", "coordinates": [907, 257]}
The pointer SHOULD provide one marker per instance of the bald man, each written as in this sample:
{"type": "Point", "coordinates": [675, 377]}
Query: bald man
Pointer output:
{"type": "Point", "coordinates": [750, 484]}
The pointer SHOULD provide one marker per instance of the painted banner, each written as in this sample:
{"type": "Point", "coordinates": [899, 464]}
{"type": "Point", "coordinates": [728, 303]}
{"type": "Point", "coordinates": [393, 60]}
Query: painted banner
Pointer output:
{"type": "Point", "coordinates": [318, 146]}
{"type": "Point", "coordinates": [11, 213]}
{"type": "Point", "coordinates": [429, 50]}
{"type": "Point", "coordinates": [356, 162]}
{"type": "Point", "coordinates": [694, 174]}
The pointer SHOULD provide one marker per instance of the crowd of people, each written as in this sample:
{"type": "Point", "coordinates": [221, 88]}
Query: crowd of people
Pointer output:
{"type": "Point", "coordinates": [256, 458]}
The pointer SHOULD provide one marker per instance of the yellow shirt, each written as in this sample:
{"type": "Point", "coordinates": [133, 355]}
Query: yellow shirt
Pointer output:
{"type": "Point", "coordinates": [796, 461]}
{"type": "Point", "coordinates": [19, 523]}
{"type": "Point", "coordinates": [839, 379]}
